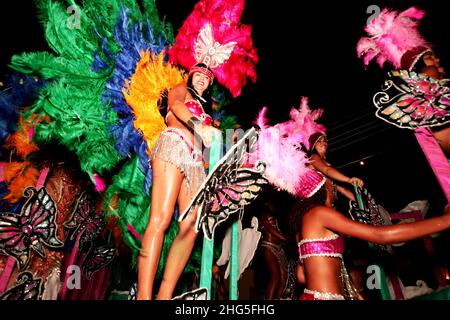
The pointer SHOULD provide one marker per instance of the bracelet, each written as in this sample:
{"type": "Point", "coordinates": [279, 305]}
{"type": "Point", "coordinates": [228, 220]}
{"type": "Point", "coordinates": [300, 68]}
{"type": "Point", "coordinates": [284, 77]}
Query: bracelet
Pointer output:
{"type": "Point", "coordinates": [192, 122]}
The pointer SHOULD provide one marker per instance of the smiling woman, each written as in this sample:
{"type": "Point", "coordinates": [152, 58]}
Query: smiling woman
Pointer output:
{"type": "Point", "coordinates": [178, 172]}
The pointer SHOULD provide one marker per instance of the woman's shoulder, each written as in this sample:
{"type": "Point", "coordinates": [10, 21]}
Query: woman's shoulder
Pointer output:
{"type": "Point", "coordinates": [315, 222]}
{"type": "Point", "coordinates": [315, 158]}
{"type": "Point", "coordinates": [178, 92]}
{"type": "Point", "coordinates": [182, 86]}
{"type": "Point", "coordinates": [318, 211]}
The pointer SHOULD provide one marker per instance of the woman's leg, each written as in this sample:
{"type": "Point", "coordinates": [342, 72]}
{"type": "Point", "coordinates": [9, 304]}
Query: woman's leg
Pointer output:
{"type": "Point", "coordinates": [181, 248]}
{"type": "Point", "coordinates": [167, 179]}
{"type": "Point", "coordinates": [274, 276]}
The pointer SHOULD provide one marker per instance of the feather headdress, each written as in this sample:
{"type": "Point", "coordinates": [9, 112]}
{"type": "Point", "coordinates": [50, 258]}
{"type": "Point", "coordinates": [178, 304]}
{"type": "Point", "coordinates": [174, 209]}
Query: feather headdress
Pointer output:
{"type": "Point", "coordinates": [394, 37]}
{"type": "Point", "coordinates": [213, 35]}
{"type": "Point", "coordinates": [287, 166]}
{"type": "Point", "coordinates": [303, 123]}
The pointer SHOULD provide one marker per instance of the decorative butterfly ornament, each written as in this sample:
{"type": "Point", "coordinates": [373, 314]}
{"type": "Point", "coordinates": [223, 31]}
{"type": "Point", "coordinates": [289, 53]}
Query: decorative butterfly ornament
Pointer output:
{"type": "Point", "coordinates": [86, 223]}
{"type": "Point", "coordinates": [228, 187]}
{"type": "Point", "coordinates": [33, 228]}
{"type": "Point", "coordinates": [370, 213]}
{"type": "Point", "coordinates": [209, 51]}
{"type": "Point", "coordinates": [26, 288]}
{"type": "Point", "coordinates": [411, 100]}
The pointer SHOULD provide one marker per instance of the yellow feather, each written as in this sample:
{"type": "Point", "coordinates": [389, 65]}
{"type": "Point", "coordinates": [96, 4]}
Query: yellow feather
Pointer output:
{"type": "Point", "coordinates": [151, 77]}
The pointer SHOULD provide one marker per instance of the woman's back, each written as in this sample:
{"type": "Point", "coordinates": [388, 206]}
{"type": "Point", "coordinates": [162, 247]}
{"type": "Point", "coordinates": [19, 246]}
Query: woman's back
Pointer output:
{"type": "Point", "coordinates": [321, 253]}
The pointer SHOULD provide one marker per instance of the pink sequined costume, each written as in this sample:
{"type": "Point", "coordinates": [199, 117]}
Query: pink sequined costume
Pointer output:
{"type": "Point", "coordinates": [176, 147]}
{"type": "Point", "coordinates": [332, 247]}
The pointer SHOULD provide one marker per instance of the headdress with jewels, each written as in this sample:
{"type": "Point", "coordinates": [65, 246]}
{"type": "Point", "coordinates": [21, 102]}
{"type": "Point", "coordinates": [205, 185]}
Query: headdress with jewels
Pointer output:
{"type": "Point", "coordinates": [213, 35]}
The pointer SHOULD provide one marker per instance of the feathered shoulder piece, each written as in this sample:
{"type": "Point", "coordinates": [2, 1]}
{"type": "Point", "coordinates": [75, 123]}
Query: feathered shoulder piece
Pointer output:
{"type": "Point", "coordinates": [213, 35]}
{"type": "Point", "coordinates": [390, 35]}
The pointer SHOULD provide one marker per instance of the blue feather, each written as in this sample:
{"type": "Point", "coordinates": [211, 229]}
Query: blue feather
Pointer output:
{"type": "Point", "coordinates": [132, 40]}
{"type": "Point", "coordinates": [21, 90]}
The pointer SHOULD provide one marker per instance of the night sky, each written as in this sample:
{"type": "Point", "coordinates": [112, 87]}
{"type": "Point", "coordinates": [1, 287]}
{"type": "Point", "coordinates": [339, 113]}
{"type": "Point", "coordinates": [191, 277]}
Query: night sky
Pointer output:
{"type": "Point", "coordinates": [308, 49]}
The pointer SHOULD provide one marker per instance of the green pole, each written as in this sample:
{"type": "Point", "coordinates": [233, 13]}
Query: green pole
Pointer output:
{"type": "Point", "coordinates": [234, 261]}
{"type": "Point", "coordinates": [385, 295]}
{"type": "Point", "coordinates": [208, 245]}
{"type": "Point", "coordinates": [384, 289]}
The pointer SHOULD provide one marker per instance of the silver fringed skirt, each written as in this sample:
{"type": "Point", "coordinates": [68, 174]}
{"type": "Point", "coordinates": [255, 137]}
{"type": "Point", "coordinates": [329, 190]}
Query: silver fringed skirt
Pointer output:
{"type": "Point", "coordinates": [174, 147]}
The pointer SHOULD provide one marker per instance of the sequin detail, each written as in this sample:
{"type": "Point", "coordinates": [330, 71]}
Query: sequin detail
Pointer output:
{"type": "Point", "coordinates": [197, 110]}
{"type": "Point", "coordinates": [317, 295]}
{"type": "Point", "coordinates": [332, 246]}
{"type": "Point", "coordinates": [174, 147]}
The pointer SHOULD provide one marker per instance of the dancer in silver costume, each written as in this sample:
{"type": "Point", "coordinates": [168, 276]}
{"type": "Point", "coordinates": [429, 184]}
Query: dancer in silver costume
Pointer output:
{"type": "Point", "coordinates": [178, 172]}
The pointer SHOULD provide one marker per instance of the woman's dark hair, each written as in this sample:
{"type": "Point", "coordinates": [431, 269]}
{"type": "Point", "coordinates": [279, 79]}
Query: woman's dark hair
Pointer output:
{"type": "Point", "coordinates": [205, 99]}
{"type": "Point", "coordinates": [303, 206]}
{"type": "Point", "coordinates": [163, 102]}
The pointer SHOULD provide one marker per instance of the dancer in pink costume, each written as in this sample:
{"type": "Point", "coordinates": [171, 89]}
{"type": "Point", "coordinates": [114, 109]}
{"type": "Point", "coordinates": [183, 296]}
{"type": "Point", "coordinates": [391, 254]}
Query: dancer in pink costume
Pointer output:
{"type": "Point", "coordinates": [394, 37]}
{"type": "Point", "coordinates": [318, 227]}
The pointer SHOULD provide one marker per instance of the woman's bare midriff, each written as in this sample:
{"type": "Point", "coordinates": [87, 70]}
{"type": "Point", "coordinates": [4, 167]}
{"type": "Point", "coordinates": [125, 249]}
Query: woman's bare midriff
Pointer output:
{"type": "Point", "coordinates": [173, 122]}
{"type": "Point", "coordinates": [324, 275]}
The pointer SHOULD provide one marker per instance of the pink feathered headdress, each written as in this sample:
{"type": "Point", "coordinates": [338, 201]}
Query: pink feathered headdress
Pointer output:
{"type": "Point", "coordinates": [287, 166]}
{"type": "Point", "coordinates": [394, 37]}
{"type": "Point", "coordinates": [304, 121]}
{"type": "Point", "coordinates": [213, 35]}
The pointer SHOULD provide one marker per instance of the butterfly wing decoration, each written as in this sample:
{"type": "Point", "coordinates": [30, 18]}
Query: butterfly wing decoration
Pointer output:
{"type": "Point", "coordinates": [227, 188]}
{"type": "Point", "coordinates": [209, 51]}
{"type": "Point", "coordinates": [85, 221]}
{"type": "Point", "coordinates": [370, 213]}
{"type": "Point", "coordinates": [26, 288]}
{"type": "Point", "coordinates": [98, 258]}
{"type": "Point", "coordinates": [197, 294]}
{"type": "Point", "coordinates": [132, 295]}
{"type": "Point", "coordinates": [31, 229]}
{"type": "Point", "coordinates": [411, 100]}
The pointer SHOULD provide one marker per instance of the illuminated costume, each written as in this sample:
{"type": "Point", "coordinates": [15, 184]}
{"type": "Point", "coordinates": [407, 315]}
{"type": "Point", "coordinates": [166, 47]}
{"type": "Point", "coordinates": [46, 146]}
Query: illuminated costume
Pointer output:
{"type": "Point", "coordinates": [288, 168]}
{"type": "Point", "coordinates": [414, 96]}
{"type": "Point", "coordinates": [329, 247]}
{"type": "Point", "coordinates": [175, 147]}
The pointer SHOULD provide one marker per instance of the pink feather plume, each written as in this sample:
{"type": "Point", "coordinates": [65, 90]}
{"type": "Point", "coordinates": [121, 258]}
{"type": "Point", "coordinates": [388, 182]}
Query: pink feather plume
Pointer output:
{"type": "Point", "coordinates": [280, 148]}
{"type": "Point", "coordinates": [100, 185]}
{"type": "Point", "coordinates": [391, 34]}
{"type": "Point", "coordinates": [224, 16]}
{"type": "Point", "coordinates": [303, 123]}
